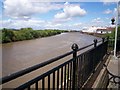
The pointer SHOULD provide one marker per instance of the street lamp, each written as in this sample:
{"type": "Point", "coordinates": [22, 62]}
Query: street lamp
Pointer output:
{"type": "Point", "coordinates": [113, 21]}
{"type": "Point", "coordinates": [116, 30]}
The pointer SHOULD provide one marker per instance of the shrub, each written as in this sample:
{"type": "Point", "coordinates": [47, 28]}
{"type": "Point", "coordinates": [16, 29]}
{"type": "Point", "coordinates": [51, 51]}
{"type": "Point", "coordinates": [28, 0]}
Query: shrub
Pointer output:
{"type": "Point", "coordinates": [26, 34]}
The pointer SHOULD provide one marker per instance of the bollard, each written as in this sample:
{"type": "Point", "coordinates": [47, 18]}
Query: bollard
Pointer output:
{"type": "Point", "coordinates": [74, 48]}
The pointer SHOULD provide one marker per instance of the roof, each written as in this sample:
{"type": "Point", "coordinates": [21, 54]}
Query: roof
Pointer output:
{"type": "Point", "coordinates": [105, 29]}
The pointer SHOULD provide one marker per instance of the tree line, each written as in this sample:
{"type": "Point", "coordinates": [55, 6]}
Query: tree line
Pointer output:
{"type": "Point", "coordinates": [10, 35]}
{"type": "Point", "coordinates": [112, 35]}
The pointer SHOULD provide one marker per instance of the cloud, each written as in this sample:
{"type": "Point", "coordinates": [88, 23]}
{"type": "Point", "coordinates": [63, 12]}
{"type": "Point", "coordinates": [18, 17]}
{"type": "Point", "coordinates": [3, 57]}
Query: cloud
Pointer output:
{"type": "Point", "coordinates": [38, 24]}
{"type": "Point", "coordinates": [70, 11]}
{"type": "Point", "coordinates": [77, 24]}
{"type": "Point", "coordinates": [17, 24]}
{"type": "Point", "coordinates": [25, 9]}
{"type": "Point", "coordinates": [108, 2]}
{"type": "Point", "coordinates": [115, 11]}
{"type": "Point", "coordinates": [108, 11]}
{"type": "Point", "coordinates": [97, 20]}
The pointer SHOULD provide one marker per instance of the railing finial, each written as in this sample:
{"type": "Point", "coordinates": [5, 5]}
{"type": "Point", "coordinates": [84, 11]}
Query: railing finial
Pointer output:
{"type": "Point", "coordinates": [74, 47]}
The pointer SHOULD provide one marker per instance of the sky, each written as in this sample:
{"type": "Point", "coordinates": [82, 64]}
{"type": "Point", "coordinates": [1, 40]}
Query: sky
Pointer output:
{"type": "Point", "coordinates": [55, 15]}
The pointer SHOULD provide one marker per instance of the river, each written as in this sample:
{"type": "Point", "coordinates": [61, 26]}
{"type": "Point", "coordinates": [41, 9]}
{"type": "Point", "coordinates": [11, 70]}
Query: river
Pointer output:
{"type": "Point", "coordinates": [23, 54]}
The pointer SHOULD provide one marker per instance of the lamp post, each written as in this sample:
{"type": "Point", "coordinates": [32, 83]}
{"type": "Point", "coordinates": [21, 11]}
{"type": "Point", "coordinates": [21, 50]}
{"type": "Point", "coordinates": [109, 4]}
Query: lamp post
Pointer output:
{"type": "Point", "coordinates": [116, 30]}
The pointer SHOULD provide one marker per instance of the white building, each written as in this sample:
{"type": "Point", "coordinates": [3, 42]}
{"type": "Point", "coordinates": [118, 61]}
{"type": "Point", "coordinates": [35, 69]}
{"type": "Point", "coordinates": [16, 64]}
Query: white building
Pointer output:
{"type": "Point", "coordinates": [99, 30]}
{"type": "Point", "coordinates": [105, 30]}
{"type": "Point", "coordinates": [92, 29]}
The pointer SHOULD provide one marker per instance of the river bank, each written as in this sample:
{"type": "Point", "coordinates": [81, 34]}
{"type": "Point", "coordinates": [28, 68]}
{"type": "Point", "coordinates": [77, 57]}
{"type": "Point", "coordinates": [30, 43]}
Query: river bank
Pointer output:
{"type": "Point", "coordinates": [10, 35]}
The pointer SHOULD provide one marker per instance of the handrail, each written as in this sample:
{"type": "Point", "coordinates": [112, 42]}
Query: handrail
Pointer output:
{"type": "Point", "coordinates": [35, 67]}
{"type": "Point", "coordinates": [32, 68]}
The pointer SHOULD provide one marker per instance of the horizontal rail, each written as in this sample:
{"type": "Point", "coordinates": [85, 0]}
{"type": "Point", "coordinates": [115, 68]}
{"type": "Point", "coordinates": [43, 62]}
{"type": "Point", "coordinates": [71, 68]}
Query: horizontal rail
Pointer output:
{"type": "Point", "coordinates": [35, 67]}
{"type": "Point", "coordinates": [30, 69]}
{"type": "Point", "coordinates": [41, 76]}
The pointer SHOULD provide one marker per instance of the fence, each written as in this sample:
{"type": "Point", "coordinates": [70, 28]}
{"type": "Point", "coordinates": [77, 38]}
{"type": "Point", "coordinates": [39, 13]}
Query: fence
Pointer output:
{"type": "Point", "coordinates": [69, 75]}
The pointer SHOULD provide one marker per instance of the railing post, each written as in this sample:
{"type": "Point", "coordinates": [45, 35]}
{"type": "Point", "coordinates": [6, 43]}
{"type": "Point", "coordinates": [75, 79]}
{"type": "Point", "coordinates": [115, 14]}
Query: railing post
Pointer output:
{"type": "Point", "coordinates": [103, 48]}
{"type": "Point", "coordinates": [103, 40]}
{"type": "Point", "coordinates": [107, 46]}
{"type": "Point", "coordinates": [74, 48]}
{"type": "Point", "coordinates": [95, 42]}
{"type": "Point", "coordinates": [94, 54]}
{"type": "Point", "coordinates": [108, 38]}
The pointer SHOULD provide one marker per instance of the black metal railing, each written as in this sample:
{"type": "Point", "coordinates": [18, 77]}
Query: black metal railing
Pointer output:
{"type": "Point", "coordinates": [69, 75]}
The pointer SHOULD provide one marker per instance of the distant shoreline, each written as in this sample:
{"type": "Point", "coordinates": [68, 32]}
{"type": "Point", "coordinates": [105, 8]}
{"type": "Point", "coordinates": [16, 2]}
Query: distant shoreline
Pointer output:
{"type": "Point", "coordinates": [94, 34]}
{"type": "Point", "coordinates": [9, 35]}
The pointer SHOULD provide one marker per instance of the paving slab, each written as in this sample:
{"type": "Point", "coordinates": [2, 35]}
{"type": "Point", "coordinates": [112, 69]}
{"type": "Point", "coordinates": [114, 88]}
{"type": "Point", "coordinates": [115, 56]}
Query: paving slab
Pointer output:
{"type": "Point", "coordinates": [114, 68]}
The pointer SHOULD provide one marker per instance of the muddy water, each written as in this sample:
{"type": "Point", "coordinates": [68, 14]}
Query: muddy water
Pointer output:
{"type": "Point", "coordinates": [20, 55]}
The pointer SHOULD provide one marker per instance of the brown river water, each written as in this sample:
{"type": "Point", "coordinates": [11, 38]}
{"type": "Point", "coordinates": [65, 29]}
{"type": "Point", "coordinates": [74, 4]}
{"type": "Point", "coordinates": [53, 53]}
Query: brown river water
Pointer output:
{"type": "Point", "coordinates": [17, 56]}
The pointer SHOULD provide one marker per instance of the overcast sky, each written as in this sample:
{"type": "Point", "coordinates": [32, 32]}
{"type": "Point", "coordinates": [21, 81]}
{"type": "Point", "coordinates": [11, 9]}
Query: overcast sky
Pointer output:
{"type": "Point", "coordinates": [55, 15]}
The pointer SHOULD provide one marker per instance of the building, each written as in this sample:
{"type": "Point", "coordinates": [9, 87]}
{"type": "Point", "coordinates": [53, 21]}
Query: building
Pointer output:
{"type": "Point", "coordinates": [104, 30]}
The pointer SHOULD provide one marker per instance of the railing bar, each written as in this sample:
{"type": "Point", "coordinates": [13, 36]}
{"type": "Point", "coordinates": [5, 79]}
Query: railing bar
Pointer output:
{"type": "Point", "coordinates": [77, 68]}
{"type": "Point", "coordinates": [28, 88]}
{"type": "Point", "coordinates": [65, 78]}
{"type": "Point", "coordinates": [49, 82]}
{"type": "Point", "coordinates": [68, 77]}
{"type": "Point", "coordinates": [36, 85]}
{"type": "Point", "coordinates": [53, 80]}
{"type": "Point", "coordinates": [79, 73]}
{"type": "Point", "coordinates": [58, 79]}
{"type": "Point", "coordinates": [85, 47]}
{"type": "Point", "coordinates": [43, 84]}
{"type": "Point", "coordinates": [61, 78]}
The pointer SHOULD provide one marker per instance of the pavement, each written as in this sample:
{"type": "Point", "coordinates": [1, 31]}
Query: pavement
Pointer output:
{"type": "Point", "coordinates": [114, 68]}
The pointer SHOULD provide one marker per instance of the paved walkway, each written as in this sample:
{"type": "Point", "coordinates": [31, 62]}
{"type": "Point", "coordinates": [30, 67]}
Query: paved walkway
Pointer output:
{"type": "Point", "coordinates": [114, 68]}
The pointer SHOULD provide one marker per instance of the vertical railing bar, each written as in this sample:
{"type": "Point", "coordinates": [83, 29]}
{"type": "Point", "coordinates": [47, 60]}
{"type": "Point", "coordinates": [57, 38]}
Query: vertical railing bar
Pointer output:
{"type": "Point", "coordinates": [58, 79]}
{"type": "Point", "coordinates": [43, 83]}
{"type": "Point", "coordinates": [65, 78]}
{"type": "Point", "coordinates": [77, 70]}
{"type": "Point", "coordinates": [54, 80]}
{"type": "Point", "coordinates": [79, 73]}
{"type": "Point", "coordinates": [28, 88]}
{"type": "Point", "coordinates": [84, 68]}
{"type": "Point", "coordinates": [36, 85]}
{"type": "Point", "coordinates": [61, 78]}
{"type": "Point", "coordinates": [49, 82]}
{"type": "Point", "coordinates": [68, 77]}
{"type": "Point", "coordinates": [78, 66]}
{"type": "Point", "coordinates": [81, 70]}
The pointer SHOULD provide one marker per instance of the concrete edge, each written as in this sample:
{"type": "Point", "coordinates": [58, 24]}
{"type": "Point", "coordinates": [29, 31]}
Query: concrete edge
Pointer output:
{"type": "Point", "coordinates": [102, 75]}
